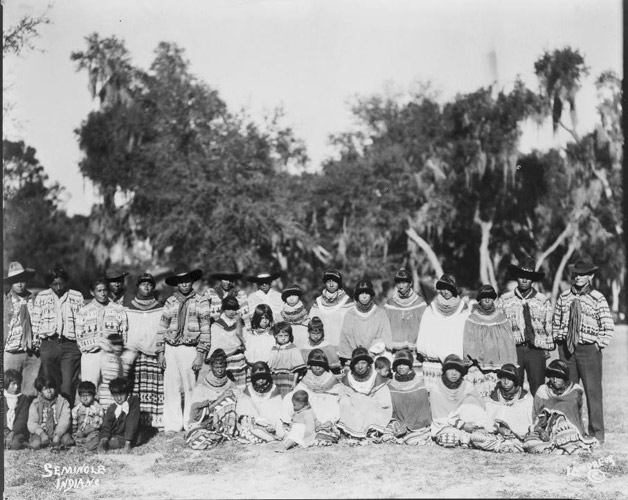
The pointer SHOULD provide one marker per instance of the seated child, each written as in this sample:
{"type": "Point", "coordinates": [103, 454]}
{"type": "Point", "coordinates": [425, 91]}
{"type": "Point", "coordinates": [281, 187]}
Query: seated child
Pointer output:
{"type": "Point", "coordinates": [303, 425]}
{"type": "Point", "coordinates": [383, 367]}
{"type": "Point", "coordinates": [15, 407]}
{"type": "Point", "coordinates": [49, 416]}
{"type": "Point", "coordinates": [87, 417]}
{"type": "Point", "coordinates": [121, 426]}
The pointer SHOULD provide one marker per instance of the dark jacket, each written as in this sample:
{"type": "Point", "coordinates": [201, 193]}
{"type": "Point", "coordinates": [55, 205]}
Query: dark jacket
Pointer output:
{"type": "Point", "coordinates": [126, 425]}
{"type": "Point", "coordinates": [20, 424]}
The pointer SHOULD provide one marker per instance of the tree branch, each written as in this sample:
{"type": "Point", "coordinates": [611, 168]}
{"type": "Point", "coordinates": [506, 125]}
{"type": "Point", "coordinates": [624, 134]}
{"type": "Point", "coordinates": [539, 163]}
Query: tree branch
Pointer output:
{"type": "Point", "coordinates": [425, 246]}
{"type": "Point", "coordinates": [557, 242]}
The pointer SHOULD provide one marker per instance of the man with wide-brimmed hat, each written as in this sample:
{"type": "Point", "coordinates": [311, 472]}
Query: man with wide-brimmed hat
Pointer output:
{"type": "Point", "coordinates": [183, 340]}
{"type": "Point", "coordinates": [365, 324]}
{"type": "Point", "coordinates": [331, 306]}
{"type": "Point", "coordinates": [529, 312]}
{"type": "Point", "coordinates": [115, 277]}
{"type": "Point", "coordinates": [405, 310]}
{"type": "Point", "coordinates": [264, 293]}
{"type": "Point", "coordinates": [20, 352]}
{"type": "Point", "coordinates": [582, 326]}
{"type": "Point", "coordinates": [227, 277]}
{"type": "Point", "coordinates": [54, 325]}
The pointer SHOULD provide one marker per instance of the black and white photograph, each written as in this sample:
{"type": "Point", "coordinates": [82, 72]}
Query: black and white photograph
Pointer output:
{"type": "Point", "coordinates": [314, 249]}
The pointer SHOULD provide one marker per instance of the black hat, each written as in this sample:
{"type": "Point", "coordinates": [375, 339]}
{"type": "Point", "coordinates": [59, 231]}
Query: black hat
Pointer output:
{"type": "Point", "coordinates": [557, 368]}
{"type": "Point", "coordinates": [293, 289]}
{"type": "Point", "coordinates": [360, 354]}
{"type": "Point", "coordinates": [403, 275]}
{"type": "Point", "coordinates": [260, 278]}
{"type": "Point", "coordinates": [447, 282]}
{"type": "Point", "coordinates": [334, 275]}
{"type": "Point", "coordinates": [486, 292]}
{"type": "Point", "coordinates": [114, 274]}
{"type": "Point", "coordinates": [260, 370]}
{"type": "Point", "coordinates": [454, 361]}
{"type": "Point", "coordinates": [363, 286]}
{"type": "Point", "coordinates": [145, 278]}
{"type": "Point", "coordinates": [526, 269]}
{"type": "Point", "coordinates": [181, 272]}
{"type": "Point", "coordinates": [230, 303]}
{"type": "Point", "coordinates": [584, 265]}
{"type": "Point", "coordinates": [228, 272]}
{"type": "Point", "coordinates": [403, 357]}
{"type": "Point", "coordinates": [509, 371]}
{"type": "Point", "coordinates": [317, 357]}
{"type": "Point", "coordinates": [18, 273]}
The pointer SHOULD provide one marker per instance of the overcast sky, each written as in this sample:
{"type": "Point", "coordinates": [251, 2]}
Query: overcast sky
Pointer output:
{"type": "Point", "coordinates": [308, 56]}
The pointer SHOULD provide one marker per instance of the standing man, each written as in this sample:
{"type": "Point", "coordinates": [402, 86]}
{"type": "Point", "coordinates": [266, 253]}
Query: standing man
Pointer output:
{"type": "Point", "coordinates": [265, 294]}
{"type": "Point", "coordinates": [227, 287]}
{"type": "Point", "coordinates": [183, 340]}
{"type": "Point", "coordinates": [20, 350]}
{"type": "Point", "coordinates": [115, 277]}
{"type": "Point", "coordinates": [582, 326]}
{"type": "Point", "coordinates": [54, 325]}
{"type": "Point", "coordinates": [101, 332]}
{"type": "Point", "coordinates": [405, 310]}
{"type": "Point", "coordinates": [529, 313]}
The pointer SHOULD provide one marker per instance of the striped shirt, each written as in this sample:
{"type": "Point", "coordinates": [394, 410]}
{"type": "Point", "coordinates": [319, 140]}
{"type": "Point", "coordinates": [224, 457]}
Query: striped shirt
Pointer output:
{"type": "Point", "coordinates": [596, 325]}
{"type": "Point", "coordinates": [87, 417]}
{"type": "Point", "coordinates": [96, 323]}
{"type": "Point", "coordinates": [56, 315]}
{"type": "Point", "coordinates": [540, 314]}
{"type": "Point", "coordinates": [196, 328]}
{"type": "Point", "coordinates": [215, 302]}
{"type": "Point", "coordinates": [12, 326]}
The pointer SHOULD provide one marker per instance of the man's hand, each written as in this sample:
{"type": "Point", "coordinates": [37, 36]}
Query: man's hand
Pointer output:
{"type": "Point", "coordinates": [198, 361]}
{"type": "Point", "coordinates": [161, 360]}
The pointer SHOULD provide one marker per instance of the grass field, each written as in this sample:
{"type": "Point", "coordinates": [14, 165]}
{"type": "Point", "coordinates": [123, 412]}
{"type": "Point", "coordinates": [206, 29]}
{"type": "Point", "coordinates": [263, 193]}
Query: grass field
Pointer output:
{"type": "Point", "coordinates": [166, 469]}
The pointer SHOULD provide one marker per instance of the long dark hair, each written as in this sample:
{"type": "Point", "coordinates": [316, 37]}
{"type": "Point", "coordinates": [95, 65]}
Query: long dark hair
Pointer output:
{"type": "Point", "coordinates": [261, 311]}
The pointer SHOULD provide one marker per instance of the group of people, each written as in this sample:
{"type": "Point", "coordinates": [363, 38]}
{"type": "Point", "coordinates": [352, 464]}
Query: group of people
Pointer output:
{"type": "Point", "coordinates": [219, 364]}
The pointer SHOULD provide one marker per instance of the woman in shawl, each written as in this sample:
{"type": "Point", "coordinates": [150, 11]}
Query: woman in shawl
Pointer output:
{"type": "Point", "coordinates": [365, 404]}
{"type": "Point", "coordinates": [259, 341]}
{"type": "Point", "coordinates": [259, 408]}
{"type": "Point", "coordinates": [295, 314]}
{"type": "Point", "coordinates": [487, 342]}
{"type": "Point", "coordinates": [226, 334]}
{"type": "Point", "coordinates": [510, 407]}
{"type": "Point", "coordinates": [316, 340]}
{"type": "Point", "coordinates": [365, 324]}
{"type": "Point", "coordinates": [213, 412]}
{"type": "Point", "coordinates": [323, 390]}
{"type": "Point", "coordinates": [139, 358]}
{"type": "Point", "coordinates": [557, 411]}
{"type": "Point", "coordinates": [459, 415]}
{"type": "Point", "coordinates": [411, 417]}
{"type": "Point", "coordinates": [441, 329]}
{"type": "Point", "coordinates": [332, 305]}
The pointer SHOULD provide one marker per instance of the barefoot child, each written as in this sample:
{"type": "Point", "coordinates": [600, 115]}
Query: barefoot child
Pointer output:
{"type": "Point", "coordinates": [15, 409]}
{"type": "Point", "coordinates": [87, 417]}
{"type": "Point", "coordinates": [303, 426]}
{"type": "Point", "coordinates": [49, 417]}
{"type": "Point", "coordinates": [121, 426]}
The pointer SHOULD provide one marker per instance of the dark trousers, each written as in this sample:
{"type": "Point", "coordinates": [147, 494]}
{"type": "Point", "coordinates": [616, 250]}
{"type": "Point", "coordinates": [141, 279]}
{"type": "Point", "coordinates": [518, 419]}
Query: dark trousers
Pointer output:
{"type": "Point", "coordinates": [532, 362]}
{"type": "Point", "coordinates": [62, 361]}
{"type": "Point", "coordinates": [586, 364]}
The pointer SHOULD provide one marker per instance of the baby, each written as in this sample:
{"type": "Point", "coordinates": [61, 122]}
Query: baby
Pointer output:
{"type": "Point", "coordinates": [303, 426]}
{"type": "Point", "coordinates": [382, 366]}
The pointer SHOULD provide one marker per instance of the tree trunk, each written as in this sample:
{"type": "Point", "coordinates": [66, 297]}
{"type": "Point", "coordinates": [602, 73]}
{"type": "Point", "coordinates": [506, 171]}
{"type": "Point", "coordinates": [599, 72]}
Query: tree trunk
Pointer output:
{"type": "Point", "coordinates": [487, 273]}
{"type": "Point", "coordinates": [615, 291]}
{"type": "Point", "coordinates": [561, 268]}
{"type": "Point", "coordinates": [425, 246]}
{"type": "Point", "coordinates": [557, 242]}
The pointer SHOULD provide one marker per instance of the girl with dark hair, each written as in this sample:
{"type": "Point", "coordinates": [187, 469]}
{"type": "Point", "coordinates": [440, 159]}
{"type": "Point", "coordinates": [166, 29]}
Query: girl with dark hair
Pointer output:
{"type": "Point", "coordinates": [316, 340]}
{"type": "Point", "coordinates": [286, 361]}
{"type": "Point", "coordinates": [49, 417]}
{"type": "Point", "coordinates": [15, 410]}
{"type": "Point", "coordinates": [259, 341]}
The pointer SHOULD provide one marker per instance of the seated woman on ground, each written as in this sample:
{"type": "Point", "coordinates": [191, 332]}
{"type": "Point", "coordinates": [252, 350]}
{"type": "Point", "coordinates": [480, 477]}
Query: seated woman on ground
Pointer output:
{"type": "Point", "coordinates": [213, 412]}
{"type": "Point", "coordinates": [365, 404]}
{"type": "Point", "coordinates": [323, 390]}
{"type": "Point", "coordinates": [259, 408]}
{"type": "Point", "coordinates": [557, 414]}
{"type": "Point", "coordinates": [411, 416]}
